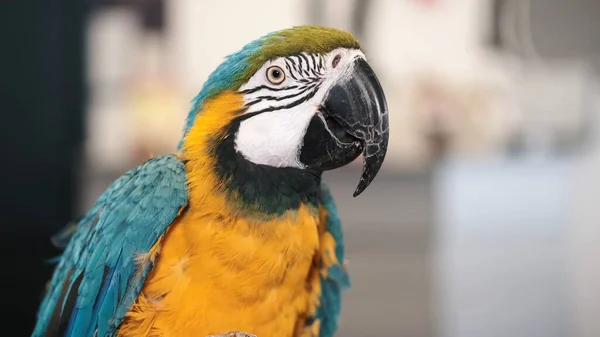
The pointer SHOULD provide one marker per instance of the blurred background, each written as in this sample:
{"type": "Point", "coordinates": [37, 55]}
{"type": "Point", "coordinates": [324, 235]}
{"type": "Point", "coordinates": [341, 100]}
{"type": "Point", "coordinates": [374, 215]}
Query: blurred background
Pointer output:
{"type": "Point", "coordinates": [484, 221]}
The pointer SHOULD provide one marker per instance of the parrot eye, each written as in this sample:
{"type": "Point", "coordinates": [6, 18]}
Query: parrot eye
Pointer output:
{"type": "Point", "coordinates": [275, 75]}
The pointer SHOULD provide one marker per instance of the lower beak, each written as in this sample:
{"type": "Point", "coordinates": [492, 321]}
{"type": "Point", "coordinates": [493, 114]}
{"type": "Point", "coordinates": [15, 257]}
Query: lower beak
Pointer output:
{"type": "Point", "coordinates": [354, 119]}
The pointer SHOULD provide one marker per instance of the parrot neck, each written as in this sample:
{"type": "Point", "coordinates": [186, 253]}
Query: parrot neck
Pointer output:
{"type": "Point", "coordinates": [219, 175]}
{"type": "Point", "coordinates": [273, 190]}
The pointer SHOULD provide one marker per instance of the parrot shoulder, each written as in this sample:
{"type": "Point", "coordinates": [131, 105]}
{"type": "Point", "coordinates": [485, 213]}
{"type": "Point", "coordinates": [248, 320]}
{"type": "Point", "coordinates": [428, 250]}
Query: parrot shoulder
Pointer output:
{"type": "Point", "coordinates": [105, 263]}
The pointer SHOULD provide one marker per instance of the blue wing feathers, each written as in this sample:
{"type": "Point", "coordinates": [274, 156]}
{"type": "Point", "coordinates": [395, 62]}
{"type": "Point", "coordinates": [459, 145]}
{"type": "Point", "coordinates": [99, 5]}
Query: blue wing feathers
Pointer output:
{"type": "Point", "coordinates": [337, 278]}
{"type": "Point", "coordinates": [127, 219]}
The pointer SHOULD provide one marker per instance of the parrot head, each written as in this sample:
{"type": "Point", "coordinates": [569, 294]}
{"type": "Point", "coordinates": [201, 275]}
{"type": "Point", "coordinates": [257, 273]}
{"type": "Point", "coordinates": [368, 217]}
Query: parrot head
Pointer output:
{"type": "Point", "coordinates": [309, 101]}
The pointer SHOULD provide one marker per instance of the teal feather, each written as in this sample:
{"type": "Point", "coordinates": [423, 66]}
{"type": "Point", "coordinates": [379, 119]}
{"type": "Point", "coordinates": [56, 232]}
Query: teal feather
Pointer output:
{"type": "Point", "coordinates": [97, 278]}
{"type": "Point", "coordinates": [62, 237]}
{"type": "Point", "coordinates": [337, 279]}
{"type": "Point", "coordinates": [221, 79]}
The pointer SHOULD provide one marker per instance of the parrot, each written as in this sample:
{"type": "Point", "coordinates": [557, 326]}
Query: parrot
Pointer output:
{"type": "Point", "coordinates": [235, 230]}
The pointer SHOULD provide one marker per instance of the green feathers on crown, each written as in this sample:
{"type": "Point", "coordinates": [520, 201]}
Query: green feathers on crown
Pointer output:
{"type": "Point", "coordinates": [293, 41]}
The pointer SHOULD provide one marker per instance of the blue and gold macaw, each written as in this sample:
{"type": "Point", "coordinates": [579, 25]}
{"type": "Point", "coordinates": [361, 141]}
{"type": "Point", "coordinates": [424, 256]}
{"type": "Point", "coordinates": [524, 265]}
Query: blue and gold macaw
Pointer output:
{"type": "Point", "coordinates": [235, 231]}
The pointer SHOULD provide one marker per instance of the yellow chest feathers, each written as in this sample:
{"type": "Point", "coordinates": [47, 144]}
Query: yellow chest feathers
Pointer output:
{"type": "Point", "coordinates": [214, 275]}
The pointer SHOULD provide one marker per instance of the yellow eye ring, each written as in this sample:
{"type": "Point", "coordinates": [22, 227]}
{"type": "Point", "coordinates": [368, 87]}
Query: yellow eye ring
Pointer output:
{"type": "Point", "coordinates": [275, 75]}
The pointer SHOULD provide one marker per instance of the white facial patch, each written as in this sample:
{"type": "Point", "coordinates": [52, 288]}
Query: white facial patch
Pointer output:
{"type": "Point", "coordinates": [283, 111]}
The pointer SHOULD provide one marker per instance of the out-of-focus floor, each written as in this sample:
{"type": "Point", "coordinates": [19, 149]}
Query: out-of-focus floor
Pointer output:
{"type": "Point", "coordinates": [387, 235]}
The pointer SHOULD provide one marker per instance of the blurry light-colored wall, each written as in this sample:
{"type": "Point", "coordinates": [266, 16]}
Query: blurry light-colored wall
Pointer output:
{"type": "Point", "coordinates": [113, 37]}
{"type": "Point", "coordinates": [202, 33]}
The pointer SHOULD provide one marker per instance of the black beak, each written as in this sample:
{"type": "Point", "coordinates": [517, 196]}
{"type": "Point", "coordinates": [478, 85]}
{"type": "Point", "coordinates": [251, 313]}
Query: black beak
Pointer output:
{"type": "Point", "coordinates": [354, 119]}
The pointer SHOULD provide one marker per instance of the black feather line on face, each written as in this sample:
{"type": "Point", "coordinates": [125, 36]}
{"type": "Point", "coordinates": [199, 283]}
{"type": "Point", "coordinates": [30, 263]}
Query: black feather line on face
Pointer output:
{"type": "Point", "coordinates": [266, 87]}
{"type": "Point", "coordinates": [294, 63]}
{"type": "Point", "coordinates": [315, 69]}
{"type": "Point", "coordinates": [305, 71]}
{"type": "Point", "coordinates": [294, 103]}
{"type": "Point", "coordinates": [281, 98]}
{"type": "Point", "coordinates": [287, 65]}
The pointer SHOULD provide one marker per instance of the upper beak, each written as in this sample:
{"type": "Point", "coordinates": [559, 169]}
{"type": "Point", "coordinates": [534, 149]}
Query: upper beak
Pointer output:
{"type": "Point", "coordinates": [358, 104]}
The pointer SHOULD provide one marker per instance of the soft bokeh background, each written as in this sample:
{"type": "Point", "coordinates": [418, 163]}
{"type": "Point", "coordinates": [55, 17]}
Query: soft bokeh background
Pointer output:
{"type": "Point", "coordinates": [484, 221]}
